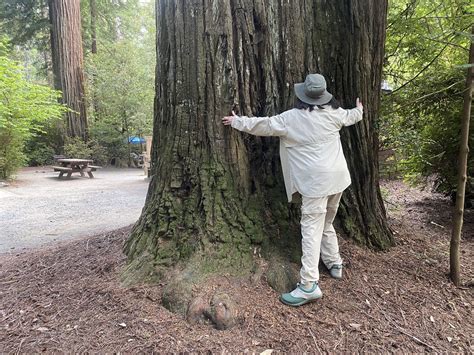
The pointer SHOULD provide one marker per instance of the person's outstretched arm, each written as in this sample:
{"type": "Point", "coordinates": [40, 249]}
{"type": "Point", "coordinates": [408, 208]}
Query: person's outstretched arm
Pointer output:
{"type": "Point", "coordinates": [258, 126]}
{"type": "Point", "coordinates": [352, 116]}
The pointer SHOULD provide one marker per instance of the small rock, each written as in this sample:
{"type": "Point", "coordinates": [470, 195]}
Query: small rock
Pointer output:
{"type": "Point", "coordinates": [223, 311]}
{"type": "Point", "coordinates": [42, 329]}
{"type": "Point", "coordinates": [123, 325]}
{"type": "Point", "coordinates": [355, 325]}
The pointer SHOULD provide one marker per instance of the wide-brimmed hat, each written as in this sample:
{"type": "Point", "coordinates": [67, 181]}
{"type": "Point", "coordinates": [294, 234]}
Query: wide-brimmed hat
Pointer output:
{"type": "Point", "coordinates": [313, 90]}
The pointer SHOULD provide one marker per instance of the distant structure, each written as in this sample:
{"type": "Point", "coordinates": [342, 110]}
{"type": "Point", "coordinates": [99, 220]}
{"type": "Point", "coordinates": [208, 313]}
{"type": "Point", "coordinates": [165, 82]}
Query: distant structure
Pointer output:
{"type": "Point", "coordinates": [386, 88]}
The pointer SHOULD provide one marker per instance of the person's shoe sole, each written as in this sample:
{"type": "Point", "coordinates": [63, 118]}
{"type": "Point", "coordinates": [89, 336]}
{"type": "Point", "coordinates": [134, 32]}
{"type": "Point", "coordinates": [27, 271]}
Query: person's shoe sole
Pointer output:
{"type": "Point", "coordinates": [302, 302]}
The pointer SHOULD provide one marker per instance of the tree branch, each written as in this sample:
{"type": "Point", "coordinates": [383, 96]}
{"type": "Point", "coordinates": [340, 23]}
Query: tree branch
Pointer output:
{"type": "Point", "coordinates": [422, 70]}
{"type": "Point", "coordinates": [436, 92]}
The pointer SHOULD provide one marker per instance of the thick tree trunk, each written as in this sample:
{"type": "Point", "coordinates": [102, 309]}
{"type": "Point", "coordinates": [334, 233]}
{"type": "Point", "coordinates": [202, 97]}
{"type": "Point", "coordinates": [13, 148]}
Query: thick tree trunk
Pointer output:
{"type": "Point", "coordinates": [216, 196]}
{"type": "Point", "coordinates": [66, 47]}
{"type": "Point", "coordinates": [462, 174]}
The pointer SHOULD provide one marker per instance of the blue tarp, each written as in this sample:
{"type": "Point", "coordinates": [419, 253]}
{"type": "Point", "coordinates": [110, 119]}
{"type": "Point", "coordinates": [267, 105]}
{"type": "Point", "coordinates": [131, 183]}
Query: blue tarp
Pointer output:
{"type": "Point", "coordinates": [136, 140]}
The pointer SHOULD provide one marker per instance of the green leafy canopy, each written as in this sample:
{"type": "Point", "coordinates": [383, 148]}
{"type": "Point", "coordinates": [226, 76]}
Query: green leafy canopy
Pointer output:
{"type": "Point", "coordinates": [426, 52]}
{"type": "Point", "coordinates": [24, 110]}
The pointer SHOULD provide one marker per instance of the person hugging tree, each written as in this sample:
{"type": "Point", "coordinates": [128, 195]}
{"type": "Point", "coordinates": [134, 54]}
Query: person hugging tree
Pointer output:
{"type": "Point", "coordinates": [314, 166]}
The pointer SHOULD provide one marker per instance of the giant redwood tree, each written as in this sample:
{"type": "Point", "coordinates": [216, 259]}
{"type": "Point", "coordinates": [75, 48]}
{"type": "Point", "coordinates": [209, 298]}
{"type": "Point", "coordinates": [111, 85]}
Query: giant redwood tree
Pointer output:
{"type": "Point", "coordinates": [216, 197]}
{"type": "Point", "coordinates": [67, 53]}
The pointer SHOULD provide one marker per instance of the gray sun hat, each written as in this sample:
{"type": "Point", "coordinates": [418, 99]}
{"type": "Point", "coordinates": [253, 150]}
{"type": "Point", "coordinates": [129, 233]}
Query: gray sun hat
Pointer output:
{"type": "Point", "coordinates": [313, 90]}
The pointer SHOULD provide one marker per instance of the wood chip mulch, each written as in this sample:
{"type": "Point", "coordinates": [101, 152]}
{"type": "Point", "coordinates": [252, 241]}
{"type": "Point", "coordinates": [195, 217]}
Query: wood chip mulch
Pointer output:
{"type": "Point", "coordinates": [69, 298]}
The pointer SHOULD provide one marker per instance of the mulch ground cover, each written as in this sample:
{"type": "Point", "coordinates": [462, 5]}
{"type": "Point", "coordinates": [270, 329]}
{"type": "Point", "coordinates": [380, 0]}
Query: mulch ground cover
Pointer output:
{"type": "Point", "coordinates": [70, 299]}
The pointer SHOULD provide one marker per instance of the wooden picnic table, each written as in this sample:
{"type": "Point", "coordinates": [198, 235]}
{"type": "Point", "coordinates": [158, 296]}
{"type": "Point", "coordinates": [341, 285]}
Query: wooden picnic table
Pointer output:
{"type": "Point", "coordinates": [70, 166]}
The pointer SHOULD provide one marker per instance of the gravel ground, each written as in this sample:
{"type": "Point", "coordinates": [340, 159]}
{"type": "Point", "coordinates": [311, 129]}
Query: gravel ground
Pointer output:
{"type": "Point", "coordinates": [39, 209]}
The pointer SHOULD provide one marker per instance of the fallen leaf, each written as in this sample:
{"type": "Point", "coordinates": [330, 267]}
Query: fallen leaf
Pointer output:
{"type": "Point", "coordinates": [355, 325]}
{"type": "Point", "coordinates": [367, 302]}
{"type": "Point", "coordinates": [266, 352]}
{"type": "Point", "coordinates": [450, 339]}
{"type": "Point", "coordinates": [42, 329]}
{"type": "Point", "coordinates": [123, 325]}
{"type": "Point", "coordinates": [432, 319]}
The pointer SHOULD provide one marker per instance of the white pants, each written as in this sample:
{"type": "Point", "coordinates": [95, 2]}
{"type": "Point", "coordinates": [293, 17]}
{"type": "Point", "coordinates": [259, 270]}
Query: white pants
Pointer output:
{"type": "Point", "coordinates": [318, 235]}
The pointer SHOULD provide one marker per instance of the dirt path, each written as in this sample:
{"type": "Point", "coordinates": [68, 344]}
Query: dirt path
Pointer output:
{"type": "Point", "coordinates": [69, 298]}
{"type": "Point", "coordinates": [39, 209]}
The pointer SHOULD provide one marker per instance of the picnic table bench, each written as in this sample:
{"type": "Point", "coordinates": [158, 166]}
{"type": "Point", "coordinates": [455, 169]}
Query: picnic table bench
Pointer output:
{"type": "Point", "coordinates": [70, 166]}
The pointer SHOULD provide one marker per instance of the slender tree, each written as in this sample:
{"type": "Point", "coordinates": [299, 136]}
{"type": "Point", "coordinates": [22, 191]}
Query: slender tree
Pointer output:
{"type": "Point", "coordinates": [93, 7]}
{"type": "Point", "coordinates": [462, 172]}
{"type": "Point", "coordinates": [67, 53]}
{"type": "Point", "coordinates": [216, 196]}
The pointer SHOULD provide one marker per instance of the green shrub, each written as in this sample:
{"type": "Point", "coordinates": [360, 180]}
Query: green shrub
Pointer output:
{"type": "Point", "coordinates": [40, 154]}
{"type": "Point", "coordinates": [77, 148]}
{"type": "Point", "coordinates": [110, 139]}
{"type": "Point", "coordinates": [425, 61]}
{"type": "Point", "coordinates": [24, 110]}
{"type": "Point", "coordinates": [11, 154]}
{"type": "Point", "coordinates": [99, 153]}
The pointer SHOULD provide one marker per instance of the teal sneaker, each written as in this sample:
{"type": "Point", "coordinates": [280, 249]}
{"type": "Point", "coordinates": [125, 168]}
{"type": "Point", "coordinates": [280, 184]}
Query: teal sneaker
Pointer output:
{"type": "Point", "coordinates": [301, 295]}
{"type": "Point", "coordinates": [336, 271]}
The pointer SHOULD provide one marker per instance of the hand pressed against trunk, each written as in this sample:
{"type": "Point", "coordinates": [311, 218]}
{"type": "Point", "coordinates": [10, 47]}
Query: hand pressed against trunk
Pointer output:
{"type": "Point", "coordinates": [227, 120]}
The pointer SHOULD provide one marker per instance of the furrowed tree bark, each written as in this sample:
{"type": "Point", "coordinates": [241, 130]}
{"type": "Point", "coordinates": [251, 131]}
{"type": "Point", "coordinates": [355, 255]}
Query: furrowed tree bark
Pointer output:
{"type": "Point", "coordinates": [216, 197]}
{"type": "Point", "coordinates": [67, 53]}
{"type": "Point", "coordinates": [458, 214]}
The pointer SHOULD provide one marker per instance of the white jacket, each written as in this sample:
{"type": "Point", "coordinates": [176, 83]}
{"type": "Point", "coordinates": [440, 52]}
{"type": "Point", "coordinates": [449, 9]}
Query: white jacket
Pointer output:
{"type": "Point", "coordinates": [311, 155]}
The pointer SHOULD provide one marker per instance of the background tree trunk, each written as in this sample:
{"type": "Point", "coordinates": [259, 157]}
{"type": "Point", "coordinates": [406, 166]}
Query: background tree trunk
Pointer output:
{"type": "Point", "coordinates": [66, 48]}
{"type": "Point", "coordinates": [93, 7]}
{"type": "Point", "coordinates": [462, 174]}
{"type": "Point", "coordinates": [217, 196]}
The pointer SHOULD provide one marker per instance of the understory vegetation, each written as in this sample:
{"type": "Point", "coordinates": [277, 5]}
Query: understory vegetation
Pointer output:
{"type": "Point", "coordinates": [427, 49]}
{"type": "Point", "coordinates": [25, 110]}
{"type": "Point", "coordinates": [119, 77]}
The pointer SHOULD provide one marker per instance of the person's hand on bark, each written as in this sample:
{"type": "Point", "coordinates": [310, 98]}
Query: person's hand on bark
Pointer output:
{"type": "Point", "coordinates": [359, 104]}
{"type": "Point", "coordinates": [227, 120]}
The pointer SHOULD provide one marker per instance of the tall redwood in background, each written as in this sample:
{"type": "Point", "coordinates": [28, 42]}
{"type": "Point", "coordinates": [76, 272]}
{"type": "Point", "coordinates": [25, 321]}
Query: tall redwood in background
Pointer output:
{"type": "Point", "coordinates": [216, 196]}
{"type": "Point", "coordinates": [66, 45]}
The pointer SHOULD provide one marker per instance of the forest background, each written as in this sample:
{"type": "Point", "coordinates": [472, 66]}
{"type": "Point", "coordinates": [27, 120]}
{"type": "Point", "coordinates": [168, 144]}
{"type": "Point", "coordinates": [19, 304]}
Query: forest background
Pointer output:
{"type": "Point", "coordinates": [425, 60]}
